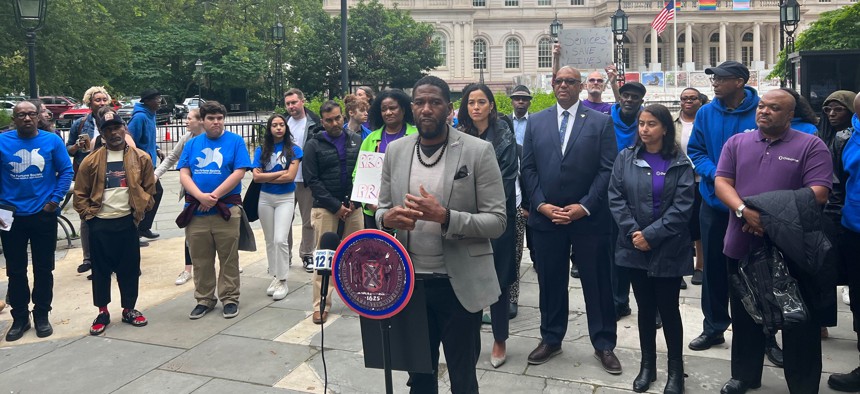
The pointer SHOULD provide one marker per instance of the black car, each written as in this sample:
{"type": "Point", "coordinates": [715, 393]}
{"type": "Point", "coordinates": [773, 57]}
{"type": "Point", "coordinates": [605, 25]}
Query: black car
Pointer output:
{"type": "Point", "coordinates": [163, 115]}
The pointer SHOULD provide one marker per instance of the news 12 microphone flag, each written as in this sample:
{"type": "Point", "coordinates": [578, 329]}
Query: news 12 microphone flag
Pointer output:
{"type": "Point", "coordinates": [373, 274]}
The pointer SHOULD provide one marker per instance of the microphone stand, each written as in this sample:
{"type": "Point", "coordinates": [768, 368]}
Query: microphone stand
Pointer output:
{"type": "Point", "coordinates": [385, 326]}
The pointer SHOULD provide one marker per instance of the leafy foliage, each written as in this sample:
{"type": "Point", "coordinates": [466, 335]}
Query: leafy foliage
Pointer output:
{"type": "Point", "coordinates": [837, 29]}
{"type": "Point", "coordinates": [540, 102]}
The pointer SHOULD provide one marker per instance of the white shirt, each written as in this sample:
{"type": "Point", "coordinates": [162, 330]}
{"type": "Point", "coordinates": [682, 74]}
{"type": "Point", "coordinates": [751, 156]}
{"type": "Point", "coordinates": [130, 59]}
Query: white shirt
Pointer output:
{"type": "Point", "coordinates": [570, 120]}
{"type": "Point", "coordinates": [298, 128]}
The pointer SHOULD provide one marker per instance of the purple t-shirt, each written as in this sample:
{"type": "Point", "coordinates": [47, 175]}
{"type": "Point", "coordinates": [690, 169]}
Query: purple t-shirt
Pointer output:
{"type": "Point", "coordinates": [339, 144]}
{"type": "Point", "coordinates": [659, 166]}
{"type": "Point", "coordinates": [599, 107]}
{"type": "Point", "coordinates": [757, 165]}
{"type": "Point", "coordinates": [386, 138]}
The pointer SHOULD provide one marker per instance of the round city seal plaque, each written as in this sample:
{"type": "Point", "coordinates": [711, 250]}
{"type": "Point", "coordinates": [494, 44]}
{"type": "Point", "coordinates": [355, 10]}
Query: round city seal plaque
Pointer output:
{"type": "Point", "coordinates": [373, 274]}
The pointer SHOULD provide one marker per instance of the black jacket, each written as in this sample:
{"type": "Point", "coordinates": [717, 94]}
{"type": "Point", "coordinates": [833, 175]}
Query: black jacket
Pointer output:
{"type": "Point", "coordinates": [793, 221]}
{"type": "Point", "coordinates": [321, 170]}
{"type": "Point", "coordinates": [630, 201]}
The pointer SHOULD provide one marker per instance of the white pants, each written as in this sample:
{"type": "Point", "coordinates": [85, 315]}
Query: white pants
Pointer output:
{"type": "Point", "coordinates": [276, 217]}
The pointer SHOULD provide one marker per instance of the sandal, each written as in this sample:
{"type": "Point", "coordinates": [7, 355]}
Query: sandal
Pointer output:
{"type": "Point", "coordinates": [134, 317]}
{"type": "Point", "coordinates": [100, 323]}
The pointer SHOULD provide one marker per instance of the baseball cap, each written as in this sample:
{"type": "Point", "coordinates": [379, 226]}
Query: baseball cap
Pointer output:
{"type": "Point", "coordinates": [148, 94]}
{"type": "Point", "coordinates": [730, 68]}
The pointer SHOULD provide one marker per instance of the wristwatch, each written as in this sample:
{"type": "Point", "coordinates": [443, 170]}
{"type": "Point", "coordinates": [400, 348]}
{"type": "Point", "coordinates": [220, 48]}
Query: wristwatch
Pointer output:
{"type": "Point", "coordinates": [740, 211]}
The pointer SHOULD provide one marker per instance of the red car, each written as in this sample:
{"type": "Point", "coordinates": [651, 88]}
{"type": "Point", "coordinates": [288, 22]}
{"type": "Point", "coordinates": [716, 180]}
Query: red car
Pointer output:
{"type": "Point", "coordinates": [58, 104]}
{"type": "Point", "coordinates": [64, 121]}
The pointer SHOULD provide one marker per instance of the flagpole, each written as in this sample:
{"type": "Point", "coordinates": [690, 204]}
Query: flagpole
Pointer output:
{"type": "Point", "coordinates": [675, 39]}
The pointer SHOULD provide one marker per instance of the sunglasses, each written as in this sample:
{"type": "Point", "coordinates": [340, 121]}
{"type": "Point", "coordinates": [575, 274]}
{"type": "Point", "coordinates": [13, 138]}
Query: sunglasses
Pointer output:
{"type": "Point", "coordinates": [568, 81]}
{"type": "Point", "coordinates": [835, 110]}
{"type": "Point", "coordinates": [595, 80]}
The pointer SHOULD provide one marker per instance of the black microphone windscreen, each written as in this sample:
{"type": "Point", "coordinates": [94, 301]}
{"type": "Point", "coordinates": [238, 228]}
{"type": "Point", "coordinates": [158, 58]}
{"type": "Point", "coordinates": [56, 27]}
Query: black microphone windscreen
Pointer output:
{"type": "Point", "coordinates": [329, 241]}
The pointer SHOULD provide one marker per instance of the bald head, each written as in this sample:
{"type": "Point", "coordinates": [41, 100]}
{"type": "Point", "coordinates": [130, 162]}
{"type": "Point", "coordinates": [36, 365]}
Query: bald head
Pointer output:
{"type": "Point", "coordinates": [774, 113]}
{"type": "Point", "coordinates": [567, 85]}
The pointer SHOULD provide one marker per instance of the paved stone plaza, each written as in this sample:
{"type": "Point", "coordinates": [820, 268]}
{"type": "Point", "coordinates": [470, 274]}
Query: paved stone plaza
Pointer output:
{"type": "Point", "coordinates": [273, 347]}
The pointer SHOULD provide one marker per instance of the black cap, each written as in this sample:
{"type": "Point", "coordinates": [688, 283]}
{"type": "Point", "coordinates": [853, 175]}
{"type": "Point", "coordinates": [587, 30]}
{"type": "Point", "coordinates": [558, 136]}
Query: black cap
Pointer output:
{"type": "Point", "coordinates": [114, 120]}
{"type": "Point", "coordinates": [148, 94]}
{"type": "Point", "coordinates": [521, 91]}
{"type": "Point", "coordinates": [633, 86]}
{"type": "Point", "coordinates": [730, 68]}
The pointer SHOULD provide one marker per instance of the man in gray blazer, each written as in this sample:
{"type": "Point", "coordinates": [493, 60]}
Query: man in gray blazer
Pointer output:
{"type": "Point", "coordinates": [442, 194]}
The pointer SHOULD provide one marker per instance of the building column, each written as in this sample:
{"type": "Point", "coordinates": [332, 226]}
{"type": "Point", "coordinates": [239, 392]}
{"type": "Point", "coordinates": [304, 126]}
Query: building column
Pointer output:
{"type": "Point", "coordinates": [722, 42]}
{"type": "Point", "coordinates": [757, 64]}
{"type": "Point", "coordinates": [770, 42]}
{"type": "Point", "coordinates": [639, 52]}
{"type": "Point", "coordinates": [466, 58]}
{"type": "Point", "coordinates": [689, 65]}
{"type": "Point", "coordinates": [655, 64]}
{"type": "Point", "coordinates": [456, 51]}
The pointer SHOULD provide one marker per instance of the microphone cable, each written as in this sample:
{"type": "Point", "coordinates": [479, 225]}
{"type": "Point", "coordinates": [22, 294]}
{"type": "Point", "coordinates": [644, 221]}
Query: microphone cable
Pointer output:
{"type": "Point", "coordinates": [329, 241]}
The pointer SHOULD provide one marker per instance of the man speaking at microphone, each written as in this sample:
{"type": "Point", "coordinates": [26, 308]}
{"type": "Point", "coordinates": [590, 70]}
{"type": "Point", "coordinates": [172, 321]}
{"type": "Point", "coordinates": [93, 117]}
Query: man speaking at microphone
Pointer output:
{"type": "Point", "coordinates": [442, 195]}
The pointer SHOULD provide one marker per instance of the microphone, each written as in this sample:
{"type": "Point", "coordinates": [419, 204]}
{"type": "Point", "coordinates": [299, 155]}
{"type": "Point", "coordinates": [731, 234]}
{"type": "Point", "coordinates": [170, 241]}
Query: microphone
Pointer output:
{"type": "Point", "coordinates": [322, 261]}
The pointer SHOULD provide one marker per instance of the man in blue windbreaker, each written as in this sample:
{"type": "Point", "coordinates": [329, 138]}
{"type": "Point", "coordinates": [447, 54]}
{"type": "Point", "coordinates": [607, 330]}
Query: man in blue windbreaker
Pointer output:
{"type": "Point", "coordinates": [142, 129]}
{"type": "Point", "coordinates": [35, 174]}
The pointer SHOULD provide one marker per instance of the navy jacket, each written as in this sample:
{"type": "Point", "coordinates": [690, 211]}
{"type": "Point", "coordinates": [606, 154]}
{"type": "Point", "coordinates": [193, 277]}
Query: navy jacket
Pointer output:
{"type": "Point", "coordinates": [580, 177]}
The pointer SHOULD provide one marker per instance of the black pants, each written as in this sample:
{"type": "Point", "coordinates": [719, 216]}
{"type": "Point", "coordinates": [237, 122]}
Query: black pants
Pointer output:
{"type": "Point", "coordinates": [40, 231]}
{"type": "Point", "coordinates": [849, 248]}
{"type": "Point", "coordinates": [499, 314]}
{"type": "Point", "coordinates": [715, 284]}
{"type": "Point", "coordinates": [459, 331]}
{"type": "Point", "coordinates": [146, 223]}
{"type": "Point", "coordinates": [187, 255]}
{"type": "Point", "coordinates": [801, 349]}
{"type": "Point", "coordinates": [115, 249]}
{"type": "Point", "coordinates": [369, 221]}
{"type": "Point", "coordinates": [620, 279]}
{"type": "Point", "coordinates": [653, 295]}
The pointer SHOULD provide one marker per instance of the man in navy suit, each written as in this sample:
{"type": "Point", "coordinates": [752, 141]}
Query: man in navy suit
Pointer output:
{"type": "Point", "coordinates": [568, 155]}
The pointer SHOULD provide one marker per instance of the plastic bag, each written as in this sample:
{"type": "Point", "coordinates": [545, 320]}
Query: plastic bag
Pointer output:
{"type": "Point", "coordinates": [767, 290]}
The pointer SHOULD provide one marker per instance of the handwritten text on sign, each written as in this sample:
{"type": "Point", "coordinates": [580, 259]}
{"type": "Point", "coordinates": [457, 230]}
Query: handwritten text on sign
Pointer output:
{"type": "Point", "coordinates": [586, 48]}
{"type": "Point", "coordinates": [368, 176]}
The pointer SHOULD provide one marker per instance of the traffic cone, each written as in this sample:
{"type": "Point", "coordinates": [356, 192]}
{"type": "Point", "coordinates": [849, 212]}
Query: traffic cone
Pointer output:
{"type": "Point", "coordinates": [167, 136]}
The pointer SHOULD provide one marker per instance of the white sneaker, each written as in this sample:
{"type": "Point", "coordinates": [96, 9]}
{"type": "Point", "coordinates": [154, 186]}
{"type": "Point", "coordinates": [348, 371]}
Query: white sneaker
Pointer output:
{"type": "Point", "coordinates": [183, 277]}
{"type": "Point", "coordinates": [241, 270]}
{"type": "Point", "coordinates": [281, 291]}
{"type": "Point", "coordinates": [845, 297]}
{"type": "Point", "coordinates": [272, 286]}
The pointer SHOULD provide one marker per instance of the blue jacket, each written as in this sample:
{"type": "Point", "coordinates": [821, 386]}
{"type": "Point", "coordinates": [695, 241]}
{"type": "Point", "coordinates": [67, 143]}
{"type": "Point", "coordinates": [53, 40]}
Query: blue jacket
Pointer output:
{"type": "Point", "coordinates": [713, 126]}
{"type": "Point", "coordinates": [806, 127]}
{"type": "Point", "coordinates": [142, 130]}
{"type": "Point", "coordinates": [625, 134]}
{"type": "Point", "coordinates": [851, 163]}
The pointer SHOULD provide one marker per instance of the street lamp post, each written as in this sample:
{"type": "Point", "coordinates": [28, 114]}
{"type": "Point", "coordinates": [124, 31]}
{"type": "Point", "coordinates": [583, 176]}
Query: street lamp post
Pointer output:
{"type": "Point", "coordinates": [555, 28]}
{"type": "Point", "coordinates": [789, 17]}
{"type": "Point", "coordinates": [30, 16]}
{"type": "Point", "coordinates": [278, 38]}
{"type": "Point", "coordinates": [198, 66]}
{"type": "Point", "coordinates": [619, 29]}
{"type": "Point", "coordinates": [344, 65]}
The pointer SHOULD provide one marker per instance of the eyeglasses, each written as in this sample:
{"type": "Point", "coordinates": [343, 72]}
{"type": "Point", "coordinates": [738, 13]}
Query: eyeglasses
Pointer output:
{"type": "Point", "coordinates": [595, 80]}
{"type": "Point", "coordinates": [719, 80]}
{"type": "Point", "coordinates": [25, 115]}
{"type": "Point", "coordinates": [568, 81]}
{"type": "Point", "coordinates": [835, 110]}
{"type": "Point", "coordinates": [689, 99]}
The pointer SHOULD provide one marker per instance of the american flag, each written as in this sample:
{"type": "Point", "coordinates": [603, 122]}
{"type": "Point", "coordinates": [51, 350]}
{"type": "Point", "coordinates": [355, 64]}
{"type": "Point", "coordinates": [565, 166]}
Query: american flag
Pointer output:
{"type": "Point", "coordinates": [665, 15]}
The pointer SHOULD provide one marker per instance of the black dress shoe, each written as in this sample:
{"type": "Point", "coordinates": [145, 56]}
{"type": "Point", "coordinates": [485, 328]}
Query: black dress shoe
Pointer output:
{"type": "Point", "coordinates": [574, 271]}
{"type": "Point", "coordinates": [773, 352]}
{"type": "Point", "coordinates": [697, 277]}
{"type": "Point", "coordinates": [609, 361]}
{"type": "Point", "coordinates": [621, 311]}
{"type": "Point", "coordinates": [683, 284]}
{"type": "Point", "coordinates": [43, 326]}
{"type": "Point", "coordinates": [659, 321]}
{"type": "Point", "coordinates": [19, 327]}
{"type": "Point", "coordinates": [144, 244]}
{"type": "Point", "coordinates": [148, 234]}
{"type": "Point", "coordinates": [543, 353]}
{"type": "Point", "coordinates": [512, 311]}
{"type": "Point", "coordinates": [735, 386]}
{"type": "Point", "coordinates": [845, 381]}
{"type": "Point", "coordinates": [704, 342]}
{"type": "Point", "coordinates": [84, 267]}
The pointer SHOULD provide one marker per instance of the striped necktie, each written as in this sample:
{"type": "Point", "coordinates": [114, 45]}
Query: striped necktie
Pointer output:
{"type": "Point", "coordinates": [563, 129]}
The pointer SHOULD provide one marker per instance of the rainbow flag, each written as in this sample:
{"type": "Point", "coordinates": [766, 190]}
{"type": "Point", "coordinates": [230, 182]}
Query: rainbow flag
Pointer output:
{"type": "Point", "coordinates": [707, 5]}
{"type": "Point", "coordinates": [678, 4]}
{"type": "Point", "coordinates": [741, 5]}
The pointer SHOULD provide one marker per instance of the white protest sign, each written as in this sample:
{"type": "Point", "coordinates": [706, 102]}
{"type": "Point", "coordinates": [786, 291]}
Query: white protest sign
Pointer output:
{"type": "Point", "coordinates": [368, 176]}
{"type": "Point", "coordinates": [586, 49]}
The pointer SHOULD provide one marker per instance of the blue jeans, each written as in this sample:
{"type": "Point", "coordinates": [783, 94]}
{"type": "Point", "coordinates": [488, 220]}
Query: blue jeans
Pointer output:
{"type": "Point", "coordinates": [715, 284]}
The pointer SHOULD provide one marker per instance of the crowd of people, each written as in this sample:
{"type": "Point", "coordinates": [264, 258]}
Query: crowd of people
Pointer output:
{"type": "Point", "coordinates": [632, 193]}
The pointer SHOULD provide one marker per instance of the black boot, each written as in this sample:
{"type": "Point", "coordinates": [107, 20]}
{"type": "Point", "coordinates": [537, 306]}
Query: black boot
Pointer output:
{"type": "Point", "coordinates": [675, 381]}
{"type": "Point", "coordinates": [647, 373]}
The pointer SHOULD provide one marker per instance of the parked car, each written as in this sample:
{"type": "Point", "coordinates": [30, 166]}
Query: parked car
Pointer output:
{"type": "Point", "coordinates": [58, 104]}
{"type": "Point", "coordinates": [162, 116]}
{"type": "Point", "coordinates": [193, 102]}
{"type": "Point", "coordinates": [6, 106]}
{"type": "Point", "coordinates": [79, 111]}
{"type": "Point", "coordinates": [180, 111]}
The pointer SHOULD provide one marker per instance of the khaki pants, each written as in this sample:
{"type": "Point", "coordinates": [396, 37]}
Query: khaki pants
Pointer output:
{"type": "Point", "coordinates": [207, 235]}
{"type": "Point", "coordinates": [324, 221]}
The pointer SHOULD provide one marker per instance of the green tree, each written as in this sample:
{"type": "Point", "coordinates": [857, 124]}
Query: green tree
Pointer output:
{"type": "Point", "coordinates": [837, 29]}
{"type": "Point", "coordinates": [314, 61]}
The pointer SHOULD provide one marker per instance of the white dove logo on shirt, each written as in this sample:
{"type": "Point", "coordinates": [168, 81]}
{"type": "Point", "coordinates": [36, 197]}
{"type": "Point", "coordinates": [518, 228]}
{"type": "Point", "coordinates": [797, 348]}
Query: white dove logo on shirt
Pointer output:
{"type": "Point", "coordinates": [211, 156]}
{"type": "Point", "coordinates": [275, 160]}
{"type": "Point", "coordinates": [28, 158]}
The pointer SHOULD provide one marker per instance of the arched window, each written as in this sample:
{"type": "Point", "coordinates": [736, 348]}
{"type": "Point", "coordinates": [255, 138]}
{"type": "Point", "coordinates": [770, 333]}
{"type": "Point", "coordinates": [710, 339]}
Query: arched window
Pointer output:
{"type": "Point", "coordinates": [545, 53]}
{"type": "Point", "coordinates": [648, 50]}
{"type": "Point", "coordinates": [714, 49]}
{"type": "Point", "coordinates": [682, 48]}
{"type": "Point", "coordinates": [479, 54]}
{"type": "Point", "coordinates": [625, 52]}
{"type": "Point", "coordinates": [442, 44]}
{"type": "Point", "coordinates": [512, 53]}
{"type": "Point", "coordinates": [747, 49]}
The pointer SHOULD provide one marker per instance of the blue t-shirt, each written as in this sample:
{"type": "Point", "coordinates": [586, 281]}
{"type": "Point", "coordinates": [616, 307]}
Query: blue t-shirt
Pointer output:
{"type": "Point", "coordinates": [212, 161]}
{"type": "Point", "coordinates": [277, 163]}
{"type": "Point", "coordinates": [33, 171]}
